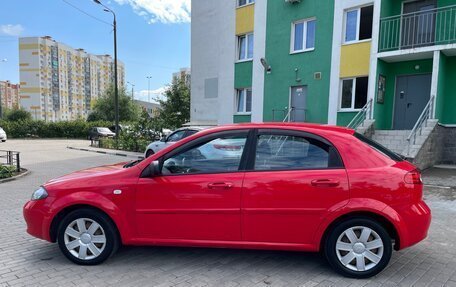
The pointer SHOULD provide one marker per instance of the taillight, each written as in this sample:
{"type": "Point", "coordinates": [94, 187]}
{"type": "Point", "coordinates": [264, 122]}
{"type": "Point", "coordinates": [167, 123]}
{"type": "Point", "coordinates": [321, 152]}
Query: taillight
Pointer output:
{"type": "Point", "coordinates": [413, 177]}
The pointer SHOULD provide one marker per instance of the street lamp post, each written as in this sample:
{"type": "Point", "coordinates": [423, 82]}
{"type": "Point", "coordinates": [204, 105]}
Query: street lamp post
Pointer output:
{"type": "Point", "coordinates": [132, 90]}
{"type": "Point", "coordinates": [148, 87]}
{"type": "Point", "coordinates": [1, 110]}
{"type": "Point", "coordinates": [116, 88]}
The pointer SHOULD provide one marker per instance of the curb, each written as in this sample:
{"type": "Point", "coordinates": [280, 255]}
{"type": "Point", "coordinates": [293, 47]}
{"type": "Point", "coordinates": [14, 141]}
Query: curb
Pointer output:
{"type": "Point", "coordinates": [24, 173]}
{"type": "Point", "coordinates": [105, 152]}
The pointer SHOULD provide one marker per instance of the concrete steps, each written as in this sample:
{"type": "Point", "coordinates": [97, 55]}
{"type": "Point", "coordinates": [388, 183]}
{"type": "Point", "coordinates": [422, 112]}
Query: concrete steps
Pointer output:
{"type": "Point", "coordinates": [394, 140]}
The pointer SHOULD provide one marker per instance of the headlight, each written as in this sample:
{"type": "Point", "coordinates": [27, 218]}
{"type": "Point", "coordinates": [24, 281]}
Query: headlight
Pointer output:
{"type": "Point", "coordinates": [40, 193]}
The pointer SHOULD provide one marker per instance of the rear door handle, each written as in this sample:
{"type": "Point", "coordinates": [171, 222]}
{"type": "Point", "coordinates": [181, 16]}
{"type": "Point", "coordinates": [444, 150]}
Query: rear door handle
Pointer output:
{"type": "Point", "coordinates": [220, 185]}
{"type": "Point", "coordinates": [325, 182]}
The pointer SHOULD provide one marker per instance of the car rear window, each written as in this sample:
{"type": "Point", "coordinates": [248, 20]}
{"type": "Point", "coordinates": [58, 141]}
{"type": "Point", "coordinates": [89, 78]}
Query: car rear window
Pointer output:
{"type": "Point", "coordinates": [378, 147]}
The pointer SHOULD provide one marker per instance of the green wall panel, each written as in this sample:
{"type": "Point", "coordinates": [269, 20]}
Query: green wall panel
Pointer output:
{"type": "Point", "coordinates": [344, 118]}
{"type": "Point", "coordinates": [280, 17]}
{"type": "Point", "coordinates": [242, 119]}
{"type": "Point", "coordinates": [243, 75]}
{"type": "Point", "coordinates": [383, 113]}
{"type": "Point", "coordinates": [446, 95]}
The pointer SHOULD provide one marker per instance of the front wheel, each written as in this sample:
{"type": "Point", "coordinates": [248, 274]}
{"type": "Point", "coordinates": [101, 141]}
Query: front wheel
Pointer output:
{"type": "Point", "coordinates": [87, 237]}
{"type": "Point", "coordinates": [358, 248]}
{"type": "Point", "coordinates": [149, 153]}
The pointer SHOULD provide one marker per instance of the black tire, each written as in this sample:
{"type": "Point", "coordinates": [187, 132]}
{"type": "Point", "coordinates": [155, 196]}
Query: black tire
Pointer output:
{"type": "Point", "coordinates": [112, 240]}
{"type": "Point", "coordinates": [332, 255]}
{"type": "Point", "coordinates": [149, 153]}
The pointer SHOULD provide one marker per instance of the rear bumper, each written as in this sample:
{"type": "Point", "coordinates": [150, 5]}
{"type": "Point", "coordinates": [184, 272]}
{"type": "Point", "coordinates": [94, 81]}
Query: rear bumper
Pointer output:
{"type": "Point", "coordinates": [38, 221]}
{"type": "Point", "coordinates": [415, 222]}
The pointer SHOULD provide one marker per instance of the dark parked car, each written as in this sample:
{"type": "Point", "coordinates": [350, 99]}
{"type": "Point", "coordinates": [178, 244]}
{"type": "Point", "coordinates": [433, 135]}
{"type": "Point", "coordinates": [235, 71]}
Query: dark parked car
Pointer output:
{"type": "Point", "coordinates": [100, 132]}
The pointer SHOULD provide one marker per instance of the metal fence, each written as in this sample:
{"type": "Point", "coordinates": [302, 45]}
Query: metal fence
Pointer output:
{"type": "Point", "coordinates": [418, 29]}
{"type": "Point", "coordinates": [11, 158]}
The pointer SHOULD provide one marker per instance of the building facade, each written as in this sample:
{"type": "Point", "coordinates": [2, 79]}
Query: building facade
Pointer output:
{"type": "Point", "coordinates": [183, 74]}
{"type": "Point", "coordinates": [384, 65]}
{"type": "Point", "coordinates": [60, 83]}
{"type": "Point", "coordinates": [9, 95]}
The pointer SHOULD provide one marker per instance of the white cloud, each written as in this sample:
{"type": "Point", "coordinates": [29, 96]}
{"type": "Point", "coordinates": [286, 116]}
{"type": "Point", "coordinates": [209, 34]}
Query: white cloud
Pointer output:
{"type": "Point", "coordinates": [11, 30]}
{"type": "Point", "coordinates": [143, 95]}
{"type": "Point", "coordinates": [165, 11]}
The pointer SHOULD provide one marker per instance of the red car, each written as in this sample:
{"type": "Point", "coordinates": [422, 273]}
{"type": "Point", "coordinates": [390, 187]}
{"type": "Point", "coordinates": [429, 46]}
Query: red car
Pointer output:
{"type": "Point", "coordinates": [296, 187]}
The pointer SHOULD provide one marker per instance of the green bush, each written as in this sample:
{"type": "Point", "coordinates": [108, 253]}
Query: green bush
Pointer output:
{"type": "Point", "coordinates": [7, 171]}
{"type": "Point", "coordinates": [40, 129]}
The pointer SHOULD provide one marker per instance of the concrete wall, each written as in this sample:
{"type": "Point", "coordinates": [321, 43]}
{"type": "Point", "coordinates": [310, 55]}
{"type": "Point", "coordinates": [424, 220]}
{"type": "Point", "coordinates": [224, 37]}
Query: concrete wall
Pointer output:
{"type": "Point", "coordinates": [212, 57]}
{"type": "Point", "coordinates": [439, 148]}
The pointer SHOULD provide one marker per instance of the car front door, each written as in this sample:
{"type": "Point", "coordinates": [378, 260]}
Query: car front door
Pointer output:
{"type": "Point", "coordinates": [294, 179]}
{"type": "Point", "coordinates": [196, 196]}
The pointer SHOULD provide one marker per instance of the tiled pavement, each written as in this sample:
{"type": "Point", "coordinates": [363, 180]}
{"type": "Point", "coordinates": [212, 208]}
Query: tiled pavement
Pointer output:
{"type": "Point", "coordinates": [25, 260]}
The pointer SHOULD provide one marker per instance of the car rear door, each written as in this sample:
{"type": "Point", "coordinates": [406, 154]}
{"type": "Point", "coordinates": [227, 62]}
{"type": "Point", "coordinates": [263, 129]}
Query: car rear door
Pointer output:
{"type": "Point", "coordinates": [292, 180]}
{"type": "Point", "coordinates": [197, 196]}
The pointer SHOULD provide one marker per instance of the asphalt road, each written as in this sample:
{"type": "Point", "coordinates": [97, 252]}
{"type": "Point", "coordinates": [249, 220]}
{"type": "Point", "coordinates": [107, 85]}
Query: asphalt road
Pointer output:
{"type": "Point", "coordinates": [25, 260]}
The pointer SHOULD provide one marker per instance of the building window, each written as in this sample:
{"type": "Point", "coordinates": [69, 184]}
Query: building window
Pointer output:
{"type": "Point", "coordinates": [244, 2]}
{"type": "Point", "coordinates": [303, 35]}
{"type": "Point", "coordinates": [358, 24]}
{"type": "Point", "coordinates": [244, 100]}
{"type": "Point", "coordinates": [245, 47]}
{"type": "Point", "coordinates": [354, 93]}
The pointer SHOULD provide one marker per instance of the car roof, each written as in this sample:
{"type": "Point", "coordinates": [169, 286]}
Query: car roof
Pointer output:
{"type": "Point", "coordinates": [292, 126]}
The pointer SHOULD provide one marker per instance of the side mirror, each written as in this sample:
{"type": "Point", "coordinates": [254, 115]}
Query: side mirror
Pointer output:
{"type": "Point", "coordinates": [154, 168]}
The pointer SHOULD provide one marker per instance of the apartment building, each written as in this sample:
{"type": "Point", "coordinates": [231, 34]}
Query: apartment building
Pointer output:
{"type": "Point", "coordinates": [183, 74]}
{"type": "Point", "coordinates": [60, 83]}
{"type": "Point", "coordinates": [9, 95]}
{"type": "Point", "coordinates": [383, 67]}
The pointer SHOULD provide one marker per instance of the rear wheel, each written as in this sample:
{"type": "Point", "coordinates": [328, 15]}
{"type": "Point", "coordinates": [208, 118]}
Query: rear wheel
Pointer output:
{"type": "Point", "coordinates": [87, 237]}
{"type": "Point", "coordinates": [358, 247]}
{"type": "Point", "coordinates": [149, 153]}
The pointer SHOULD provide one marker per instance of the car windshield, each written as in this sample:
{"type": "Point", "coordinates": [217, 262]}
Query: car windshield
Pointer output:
{"type": "Point", "coordinates": [104, 130]}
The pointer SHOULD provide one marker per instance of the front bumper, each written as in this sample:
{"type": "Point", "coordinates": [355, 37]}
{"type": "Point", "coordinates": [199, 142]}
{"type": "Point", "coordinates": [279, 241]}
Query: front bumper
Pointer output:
{"type": "Point", "coordinates": [3, 137]}
{"type": "Point", "coordinates": [37, 219]}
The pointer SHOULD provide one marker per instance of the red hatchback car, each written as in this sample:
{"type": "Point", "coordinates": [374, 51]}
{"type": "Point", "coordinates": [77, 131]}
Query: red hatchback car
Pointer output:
{"type": "Point", "coordinates": [268, 186]}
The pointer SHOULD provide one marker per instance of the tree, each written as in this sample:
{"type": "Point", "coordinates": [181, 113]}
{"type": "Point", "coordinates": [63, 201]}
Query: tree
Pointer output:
{"type": "Point", "coordinates": [175, 108]}
{"type": "Point", "coordinates": [16, 115]}
{"type": "Point", "coordinates": [104, 107]}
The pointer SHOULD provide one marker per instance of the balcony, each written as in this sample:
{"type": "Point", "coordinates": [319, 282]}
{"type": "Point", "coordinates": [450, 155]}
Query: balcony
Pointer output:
{"type": "Point", "coordinates": [418, 29]}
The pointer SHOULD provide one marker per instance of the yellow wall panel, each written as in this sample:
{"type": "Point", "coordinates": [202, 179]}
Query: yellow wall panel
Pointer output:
{"type": "Point", "coordinates": [28, 46]}
{"type": "Point", "coordinates": [355, 59]}
{"type": "Point", "coordinates": [245, 19]}
{"type": "Point", "coordinates": [30, 90]}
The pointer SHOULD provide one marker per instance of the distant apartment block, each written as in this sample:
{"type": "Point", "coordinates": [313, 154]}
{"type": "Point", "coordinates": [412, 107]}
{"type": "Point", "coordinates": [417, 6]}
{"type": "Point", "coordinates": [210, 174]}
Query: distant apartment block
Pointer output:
{"type": "Point", "coordinates": [152, 109]}
{"type": "Point", "coordinates": [184, 73]}
{"type": "Point", "coordinates": [9, 95]}
{"type": "Point", "coordinates": [60, 83]}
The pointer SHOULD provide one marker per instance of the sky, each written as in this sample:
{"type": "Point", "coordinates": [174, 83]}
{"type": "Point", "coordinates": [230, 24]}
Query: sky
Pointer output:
{"type": "Point", "coordinates": [153, 35]}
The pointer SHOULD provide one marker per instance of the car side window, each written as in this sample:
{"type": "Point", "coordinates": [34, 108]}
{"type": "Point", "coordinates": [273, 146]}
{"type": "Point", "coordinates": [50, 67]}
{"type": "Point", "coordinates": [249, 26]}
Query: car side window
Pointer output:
{"type": "Point", "coordinates": [190, 132]}
{"type": "Point", "coordinates": [290, 152]}
{"type": "Point", "coordinates": [222, 154]}
{"type": "Point", "coordinates": [176, 136]}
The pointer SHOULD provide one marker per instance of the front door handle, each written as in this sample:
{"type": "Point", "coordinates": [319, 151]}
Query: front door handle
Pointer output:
{"type": "Point", "coordinates": [325, 183]}
{"type": "Point", "coordinates": [220, 185]}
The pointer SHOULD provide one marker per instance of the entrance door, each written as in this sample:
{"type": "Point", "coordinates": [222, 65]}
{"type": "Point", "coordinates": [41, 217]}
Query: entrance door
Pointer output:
{"type": "Point", "coordinates": [418, 24]}
{"type": "Point", "coordinates": [298, 103]}
{"type": "Point", "coordinates": [412, 95]}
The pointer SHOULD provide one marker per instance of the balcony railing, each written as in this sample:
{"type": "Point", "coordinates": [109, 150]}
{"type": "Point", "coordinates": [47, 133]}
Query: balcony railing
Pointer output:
{"type": "Point", "coordinates": [418, 29]}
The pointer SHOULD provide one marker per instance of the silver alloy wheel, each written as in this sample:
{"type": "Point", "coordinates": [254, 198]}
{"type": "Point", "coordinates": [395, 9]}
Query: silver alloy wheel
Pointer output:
{"type": "Point", "coordinates": [85, 238]}
{"type": "Point", "coordinates": [359, 248]}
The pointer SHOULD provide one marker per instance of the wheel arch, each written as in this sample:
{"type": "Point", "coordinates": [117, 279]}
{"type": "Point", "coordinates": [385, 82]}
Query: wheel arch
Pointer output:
{"type": "Point", "coordinates": [381, 219]}
{"type": "Point", "coordinates": [55, 223]}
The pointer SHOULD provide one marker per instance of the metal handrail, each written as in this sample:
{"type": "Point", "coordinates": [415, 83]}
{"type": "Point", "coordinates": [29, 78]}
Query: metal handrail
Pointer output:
{"type": "Point", "coordinates": [361, 116]}
{"type": "Point", "coordinates": [427, 114]}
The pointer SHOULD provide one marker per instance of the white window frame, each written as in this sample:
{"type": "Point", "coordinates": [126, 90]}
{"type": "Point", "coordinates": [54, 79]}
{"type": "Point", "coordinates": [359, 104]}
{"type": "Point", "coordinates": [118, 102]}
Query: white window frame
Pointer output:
{"type": "Point", "coordinates": [236, 102]}
{"type": "Point", "coordinates": [358, 23]}
{"type": "Point", "coordinates": [247, 3]}
{"type": "Point", "coordinates": [341, 88]}
{"type": "Point", "coordinates": [238, 49]}
{"type": "Point", "coordinates": [304, 39]}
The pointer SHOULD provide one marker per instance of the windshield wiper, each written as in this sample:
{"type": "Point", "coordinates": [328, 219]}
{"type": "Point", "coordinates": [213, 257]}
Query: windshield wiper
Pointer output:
{"type": "Point", "coordinates": [133, 163]}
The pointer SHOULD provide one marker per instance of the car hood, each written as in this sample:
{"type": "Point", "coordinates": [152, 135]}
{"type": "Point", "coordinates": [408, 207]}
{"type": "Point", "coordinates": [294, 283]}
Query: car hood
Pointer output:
{"type": "Point", "coordinates": [87, 173]}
